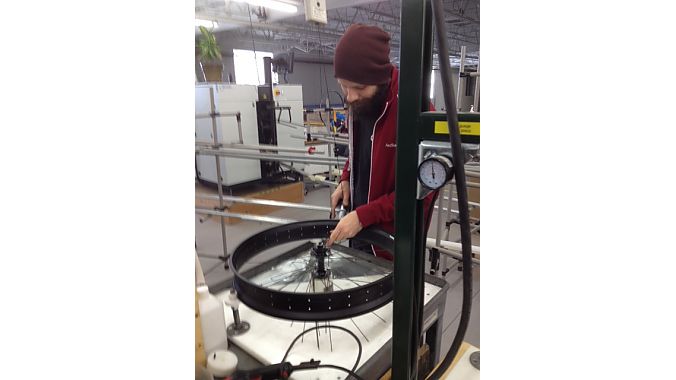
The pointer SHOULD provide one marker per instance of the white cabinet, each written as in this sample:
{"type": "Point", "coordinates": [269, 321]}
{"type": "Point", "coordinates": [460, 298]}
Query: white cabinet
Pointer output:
{"type": "Point", "coordinates": [227, 98]}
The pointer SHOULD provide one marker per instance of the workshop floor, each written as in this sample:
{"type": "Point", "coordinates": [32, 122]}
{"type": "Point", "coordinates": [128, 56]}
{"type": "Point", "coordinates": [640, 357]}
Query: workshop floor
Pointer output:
{"type": "Point", "coordinates": [209, 245]}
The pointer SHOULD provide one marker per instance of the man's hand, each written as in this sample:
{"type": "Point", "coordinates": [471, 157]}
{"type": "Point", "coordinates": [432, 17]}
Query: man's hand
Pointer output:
{"type": "Point", "coordinates": [346, 228]}
{"type": "Point", "coordinates": [342, 192]}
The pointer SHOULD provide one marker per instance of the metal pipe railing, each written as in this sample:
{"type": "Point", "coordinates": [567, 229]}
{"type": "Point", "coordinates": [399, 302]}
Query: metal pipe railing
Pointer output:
{"type": "Point", "coordinates": [218, 164]}
{"type": "Point", "coordinates": [473, 204]}
{"type": "Point", "coordinates": [264, 202]}
{"type": "Point", "coordinates": [270, 157]}
{"type": "Point", "coordinates": [290, 124]}
{"type": "Point", "coordinates": [456, 212]}
{"type": "Point", "coordinates": [215, 114]}
{"type": "Point", "coordinates": [450, 248]}
{"type": "Point", "coordinates": [471, 184]}
{"type": "Point", "coordinates": [343, 136]}
{"type": "Point", "coordinates": [311, 177]}
{"type": "Point", "coordinates": [331, 141]}
{"type": "Point", "coordinates": [255, 218]}
{"type": "Point", "coordinates": [257, 147]}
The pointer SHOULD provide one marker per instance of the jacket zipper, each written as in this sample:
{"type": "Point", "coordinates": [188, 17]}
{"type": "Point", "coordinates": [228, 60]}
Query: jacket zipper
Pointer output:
{"type": "Point", "coordinates": [350, 135]}
{"type": "Point", "coordinates": [368, 196]}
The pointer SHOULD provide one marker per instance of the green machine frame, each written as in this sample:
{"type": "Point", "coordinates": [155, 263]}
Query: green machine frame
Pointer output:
{"type": "Point", "coordinates": [415, 123]}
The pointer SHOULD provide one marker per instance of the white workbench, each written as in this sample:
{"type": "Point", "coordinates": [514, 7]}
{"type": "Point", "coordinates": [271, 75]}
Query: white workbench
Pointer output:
{"type": "Point", "coordinates": [269, 338]}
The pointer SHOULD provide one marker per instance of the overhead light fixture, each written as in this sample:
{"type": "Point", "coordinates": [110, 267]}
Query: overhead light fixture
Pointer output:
{"type": "Point", "coordinates": [272, 4]}
{"type": "Point", "coordinates": [206, 23]}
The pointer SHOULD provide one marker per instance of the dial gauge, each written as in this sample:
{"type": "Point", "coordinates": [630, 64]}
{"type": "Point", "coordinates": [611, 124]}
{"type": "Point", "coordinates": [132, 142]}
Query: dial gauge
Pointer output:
{"type": "Point", "coordinates": [435, 171]}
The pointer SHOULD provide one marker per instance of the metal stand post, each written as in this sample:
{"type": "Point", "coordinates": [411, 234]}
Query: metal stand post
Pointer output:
{"type": "Point", "coordinates": [409, 268]}
{"type": "Point", "coordinates": [444, 260]}
{"type": "Point", "coordinates": [434, 256]}
{"type": "Point", "coordinates": [219, 179]}
{"type": "Point", "coordinates": [476, 87]}
{"type": "Point", "coordinates": [461, 79]}
{"type": "Point", "coordinates": [449, 223]}
{"type": "Point", "coordinates": [238, 327]}
{"type": "Point", "coordinates": [332, 148]}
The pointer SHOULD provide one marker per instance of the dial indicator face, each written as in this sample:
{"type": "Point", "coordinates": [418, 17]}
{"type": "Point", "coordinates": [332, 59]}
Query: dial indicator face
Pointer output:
{"type": "Point", "coordinates": [433, 173]}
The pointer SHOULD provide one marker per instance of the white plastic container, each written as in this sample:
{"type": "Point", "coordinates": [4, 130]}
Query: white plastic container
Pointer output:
{"type": "Point", "coordinates": [221, 364]}
{"type": "Point", "coordinates": [212, 316]}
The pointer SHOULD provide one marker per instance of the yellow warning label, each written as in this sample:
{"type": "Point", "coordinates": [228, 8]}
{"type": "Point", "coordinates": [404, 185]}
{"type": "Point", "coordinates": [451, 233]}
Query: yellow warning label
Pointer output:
{"type": "Point", "coordinates": [470, 128]}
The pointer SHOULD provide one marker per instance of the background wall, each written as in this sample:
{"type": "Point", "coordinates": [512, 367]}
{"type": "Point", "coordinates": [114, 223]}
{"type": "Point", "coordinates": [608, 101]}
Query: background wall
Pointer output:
{"type": "Point", "coordinates": [315, 77]}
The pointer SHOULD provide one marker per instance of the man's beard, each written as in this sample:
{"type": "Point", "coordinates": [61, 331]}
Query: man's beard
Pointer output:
{"type": "Point", "coordinates": [373, 106]}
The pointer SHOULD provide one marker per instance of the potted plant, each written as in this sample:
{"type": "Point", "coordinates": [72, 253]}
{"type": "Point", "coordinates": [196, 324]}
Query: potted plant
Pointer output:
{"type": "Point", "coordinates": [210, 56]}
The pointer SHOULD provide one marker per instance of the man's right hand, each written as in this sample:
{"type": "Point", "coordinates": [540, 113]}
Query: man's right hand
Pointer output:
{"type": "Point", "coordinates": [342, 192]}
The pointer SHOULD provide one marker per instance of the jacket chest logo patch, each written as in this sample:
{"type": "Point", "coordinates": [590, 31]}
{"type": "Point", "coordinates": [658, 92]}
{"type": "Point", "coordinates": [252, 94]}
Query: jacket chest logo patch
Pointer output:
{"type": "Point", "coordinates": [391, 145]}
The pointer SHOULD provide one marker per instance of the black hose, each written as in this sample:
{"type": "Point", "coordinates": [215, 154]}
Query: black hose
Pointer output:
{"type": "Point", "coordinates": [461, 186]}
{"type": "Point", "coordinates": [354, 368]}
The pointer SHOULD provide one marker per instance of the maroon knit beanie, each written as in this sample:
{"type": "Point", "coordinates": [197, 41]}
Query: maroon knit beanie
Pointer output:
{"type": "Point", "coordinates": [363, 55]}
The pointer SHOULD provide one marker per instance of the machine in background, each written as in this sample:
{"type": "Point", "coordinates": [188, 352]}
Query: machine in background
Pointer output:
{"type": "Point", "coordinates": [260, 108]}
{"type": "Point", "coordinates": [227, 98]}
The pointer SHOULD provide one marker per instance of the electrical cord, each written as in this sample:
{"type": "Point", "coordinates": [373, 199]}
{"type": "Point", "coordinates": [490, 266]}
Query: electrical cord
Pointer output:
{"type": "Point", "coordinates": [319, 58]}
{"type": "Point", "coordinates": [354, 368]}
{"type": "Point", "coordinates": [342, 100]}
{"type": "Point", "coordinates": [321, 89]}
{"type": "Point", "coordinates": [461, 186]}
{"type": "Point", "coordinates": [322, 119]}
{"type": "Point", "coordinates": [326, 83]}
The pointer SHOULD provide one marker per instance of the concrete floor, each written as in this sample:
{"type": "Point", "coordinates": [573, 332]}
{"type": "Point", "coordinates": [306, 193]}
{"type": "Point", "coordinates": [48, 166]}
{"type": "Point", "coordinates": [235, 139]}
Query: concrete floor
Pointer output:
{"type": "Point", "coordinates": [209, 245]}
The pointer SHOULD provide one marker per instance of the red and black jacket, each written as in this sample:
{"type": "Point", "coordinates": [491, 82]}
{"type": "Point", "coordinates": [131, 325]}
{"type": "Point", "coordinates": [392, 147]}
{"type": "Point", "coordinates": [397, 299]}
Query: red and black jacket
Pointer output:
{"type": "Point", "coordinates": [380, 207]}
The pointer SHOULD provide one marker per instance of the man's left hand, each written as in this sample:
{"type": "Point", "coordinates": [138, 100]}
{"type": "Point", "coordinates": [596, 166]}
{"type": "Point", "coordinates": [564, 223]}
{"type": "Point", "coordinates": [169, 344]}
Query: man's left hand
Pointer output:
{"type": "Point", "coordinates": [346, 228]}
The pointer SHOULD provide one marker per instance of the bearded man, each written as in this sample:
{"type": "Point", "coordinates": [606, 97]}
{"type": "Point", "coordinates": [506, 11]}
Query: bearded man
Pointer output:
{"type": "Point", "coordinates": [370, 83]}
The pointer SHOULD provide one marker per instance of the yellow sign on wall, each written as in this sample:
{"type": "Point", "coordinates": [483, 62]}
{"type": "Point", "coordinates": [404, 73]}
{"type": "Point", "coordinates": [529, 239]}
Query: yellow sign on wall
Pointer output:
{"type": "Point", "coordinates": [468, 128]}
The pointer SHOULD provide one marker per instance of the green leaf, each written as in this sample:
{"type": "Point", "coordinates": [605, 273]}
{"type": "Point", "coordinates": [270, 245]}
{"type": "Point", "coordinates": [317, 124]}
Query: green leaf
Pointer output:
{"type": "Point", "coordinates": [208, 46]}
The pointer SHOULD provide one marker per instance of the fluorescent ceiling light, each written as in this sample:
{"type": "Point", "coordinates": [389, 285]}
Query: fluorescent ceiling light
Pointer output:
{"type": "Point", "coordinates": [272, 4]}
{"type": "Point", "coordinates": [206, 23]}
